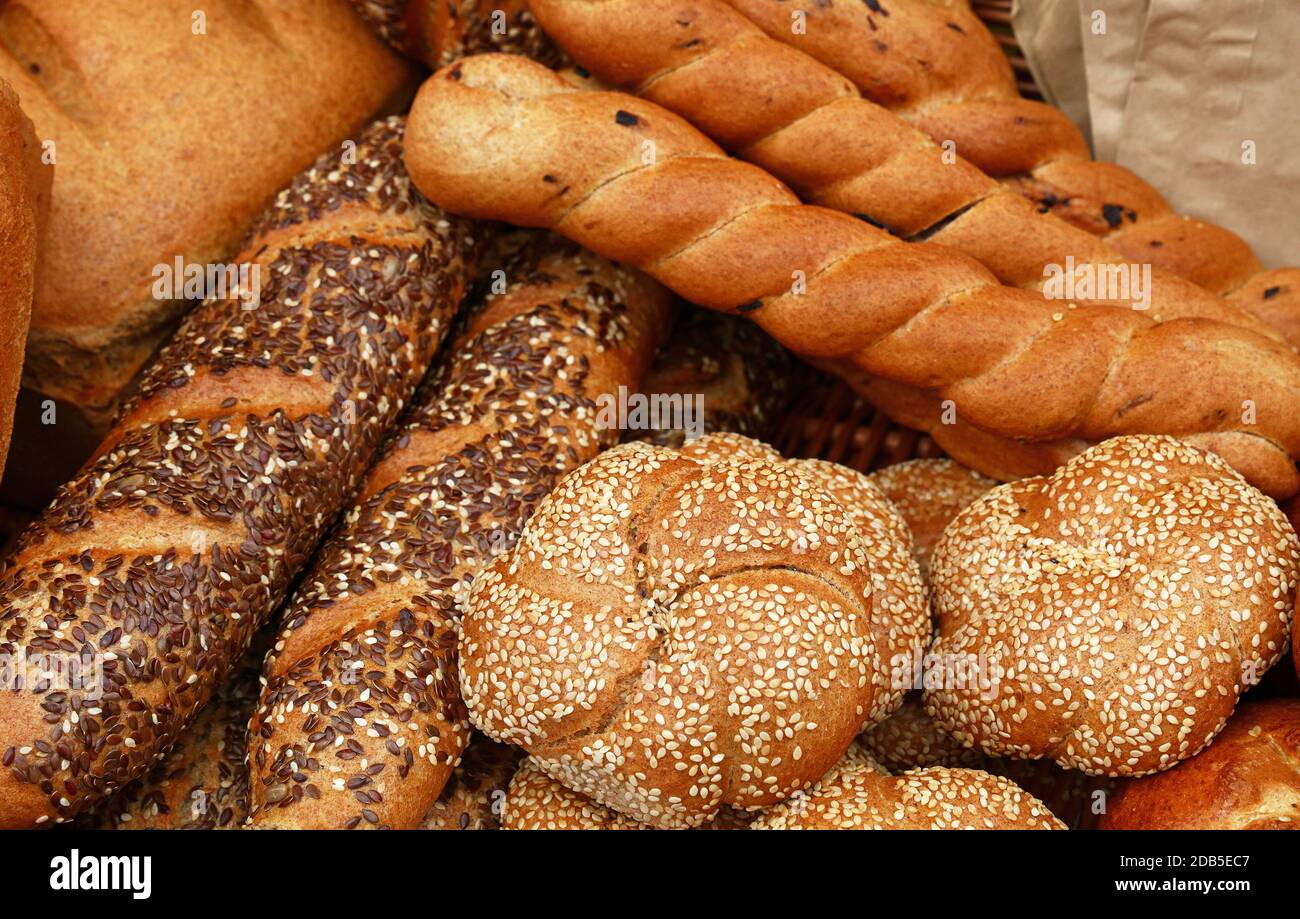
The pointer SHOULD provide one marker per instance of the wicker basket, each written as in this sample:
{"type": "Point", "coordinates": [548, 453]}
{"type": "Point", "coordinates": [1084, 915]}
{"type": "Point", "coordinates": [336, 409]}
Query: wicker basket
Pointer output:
{"type": "Point", "coordinates": [829, 420]}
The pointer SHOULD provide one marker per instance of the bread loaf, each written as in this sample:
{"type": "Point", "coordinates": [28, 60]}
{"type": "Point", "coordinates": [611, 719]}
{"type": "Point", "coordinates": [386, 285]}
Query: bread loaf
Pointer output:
{"type": "Point", "coordinates": [202, 782]}
{"type": "Point", "coordinates": [361, 721]}
{"type": "Point", "coordinates": [927, 494]}
{"type": "Point", "coordinates": [437, 32]}
{"type": "Point", "coordinates": [24, 204]}
{"type": "Point", "coordinates": [938, 67]}
{"type": "Point", "coordinates": [150, 572]}
{"type": "Point", "coordinates": [1119, 607]}
{"type": "Point", "coordinates": [159, 162]}
{"type": "Point", "coordinates": [861, 798]}
{"type": "Point", "coordinates": [1247, 779]}
{"type": "Point", "coordinates": [1017, 371]}
{"type": "Point", "coordinates": [807, 125]}
{"type": "Point", "coordinates": [675, 632]}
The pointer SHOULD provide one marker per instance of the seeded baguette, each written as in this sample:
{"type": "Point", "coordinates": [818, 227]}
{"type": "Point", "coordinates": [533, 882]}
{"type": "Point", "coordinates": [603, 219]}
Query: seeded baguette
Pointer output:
{"type": "Point", "coordinates": [161, 559]}
{"type": "Point", "coordinates": [807, 125]}
{"type": "Point", "coordinates": [940, 69]}
{"type": "Point", "coordinates": [24, 203]}
{"type": "Point", "coordinates": [361, 722]}
{"type": "Point", "coordinates": [1031, 381]}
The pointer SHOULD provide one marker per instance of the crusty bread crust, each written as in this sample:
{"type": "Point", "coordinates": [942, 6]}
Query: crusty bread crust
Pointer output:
{"type": "Point", "coordinates": [491, 136]}
{"type": "Point", "coordinates": [158, 160]}
{"type": "Point", "coordinates": [1248, 779]}
{"type": "Point", "coordinates": [24, 203]}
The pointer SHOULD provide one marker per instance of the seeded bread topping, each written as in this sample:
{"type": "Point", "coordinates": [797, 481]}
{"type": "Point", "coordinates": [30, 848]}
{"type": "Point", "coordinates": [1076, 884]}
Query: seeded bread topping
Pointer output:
{"type": "Point", "coordinates": [158, 562]}
{"type": "Point", "coordinates": [361, 722]}
{"type": "Point", "coordinates": [1126, 602]}
{"type": "Point", "coordinates": [676, 631]}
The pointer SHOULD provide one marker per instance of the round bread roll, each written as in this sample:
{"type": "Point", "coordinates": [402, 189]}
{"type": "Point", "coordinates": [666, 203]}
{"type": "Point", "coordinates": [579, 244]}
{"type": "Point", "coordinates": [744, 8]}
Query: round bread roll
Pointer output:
{"type": "Point", "coordinates": [680, 630]}
{"type": "Point", "coordinates": [928, 494]}
{"type": "Point", "coordinates": [1122, 605]}
{"type": "Point", "coordinates": [1248, 779]}
{"type": "Point", "coordinates": [859, 797]}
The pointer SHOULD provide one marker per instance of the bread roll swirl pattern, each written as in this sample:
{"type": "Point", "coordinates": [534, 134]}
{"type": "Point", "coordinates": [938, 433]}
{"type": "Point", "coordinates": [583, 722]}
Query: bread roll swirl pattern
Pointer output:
{"type": "Point", "coordinates": [159, 561]}
{"type": "Point", "coordinates": [491, 137]}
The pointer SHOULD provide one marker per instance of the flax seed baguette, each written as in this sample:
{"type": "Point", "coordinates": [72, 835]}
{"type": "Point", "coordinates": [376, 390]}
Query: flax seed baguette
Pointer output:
{"type": "Point", "coordinates": [24, 203]}
{"type": "Point", "coordinates": [159, 561]}
{"type": "Point", "coordinates": [938, 67]}
{"type": "Point", "coordinates": [438, 32]}
{"type": "Point", "coordinates": [1030, 381]}
{"type": "Point", "coordinates": [361, 721]}
{"type": "Point", "coordinates": [807, 125]}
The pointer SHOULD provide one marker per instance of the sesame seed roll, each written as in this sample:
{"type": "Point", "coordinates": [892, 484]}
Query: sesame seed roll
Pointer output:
{"type": "Point", "coordinates": [1127, 600]}
{"type": "Point", "coordinates": [679, 630]}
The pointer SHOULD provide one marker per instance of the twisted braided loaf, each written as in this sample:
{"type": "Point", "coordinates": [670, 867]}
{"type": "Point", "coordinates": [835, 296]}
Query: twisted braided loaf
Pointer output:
{"type": "Point", "coordinates": [156, 564]}
{"type": "Point", "coordinates": [361, 723]}
{"type": "Point", "coordinates": [807, 125]}
{"type": "Point", "coordinates": [938, 67]}
{"type": "Point", "coordinates": [494, 136]}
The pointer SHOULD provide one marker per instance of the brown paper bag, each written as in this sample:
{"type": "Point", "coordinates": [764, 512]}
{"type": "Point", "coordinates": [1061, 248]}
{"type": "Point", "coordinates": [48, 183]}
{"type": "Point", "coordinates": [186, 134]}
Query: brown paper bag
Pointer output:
{"type": "Point", "coordinates": [1112, 32]}
{"type": "Point", "coordinates": [1048, 33]}
{"type": "Point", "coordinates": [1213, 117]}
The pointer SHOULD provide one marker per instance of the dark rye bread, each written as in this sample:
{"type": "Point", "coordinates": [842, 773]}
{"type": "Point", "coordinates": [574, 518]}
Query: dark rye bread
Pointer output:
{"type": "Point", "coordinates": [202, 782]}
{"type": "Point", "coordinates": [1028, 382]}
{"type": "Point", "coordinates": [361, 721]}
{"type": "Point", "coordinates": [160, 560]}
{"type": "Point", "coordinates": [437, 32]}
{"type": "Point", "coordinates": [24, 203]}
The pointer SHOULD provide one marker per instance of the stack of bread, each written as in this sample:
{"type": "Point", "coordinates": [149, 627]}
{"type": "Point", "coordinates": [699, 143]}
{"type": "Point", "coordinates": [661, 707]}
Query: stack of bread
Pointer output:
{"type": "Point", "coordinates": [382, 549]}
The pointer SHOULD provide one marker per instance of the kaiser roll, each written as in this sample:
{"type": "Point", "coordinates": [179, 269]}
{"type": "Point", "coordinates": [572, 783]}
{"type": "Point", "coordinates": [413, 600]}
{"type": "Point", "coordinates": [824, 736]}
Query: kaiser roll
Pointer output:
{"type": "Point", "coordinates": [679, 630]}
{"type": "Point", "coordinates": [1124, 602]}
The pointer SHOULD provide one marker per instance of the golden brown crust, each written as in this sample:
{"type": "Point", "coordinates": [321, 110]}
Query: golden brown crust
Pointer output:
{"type": "Point", "coordinates": [938, 67]}
{"type": "Point", "coordinates": [1117, 608]}
{"type": "Point", "coordinates": [155, 162]}
{"type": "Point", "coordinates": [153, 567]}
{"type": "Point", "coordinates": [489, 138]}
{"type": "Point", "coordinates": [938, 798]}
{"type": "Point", "coordinates": [676, 631]}
{"type": "Point", "coordinates": [24, 204]}
{"type": "Point", "coordinates": [1248, 779]}
{"type": "Point", "coordinates": [361, 722]}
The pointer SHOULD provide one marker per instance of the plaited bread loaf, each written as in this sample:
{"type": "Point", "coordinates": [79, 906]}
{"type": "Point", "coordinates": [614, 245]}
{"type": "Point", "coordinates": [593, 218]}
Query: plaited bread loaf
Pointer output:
{"type": "Point", "coordinates": [732, 376]}
{"type": "Point", "coordinates": [202, 782]}
{"type": "Point", "coordinates": [156, 565]}
{"type": "Point", "coordinates": [474, 797]}
{"type": "Point", "coordinates": [1120, 606]}
{"type": "Point", "coordinates": [938, 67]}
{"type": "Point", "coordinates": [928, 493]}
{"type": "Point", "coordinates": [938, 798]}
{"type": "Point", "coordinates": [438, 32]}
{"type": "Point", "coordinates": [807, 125]}
{"type": "Point", "coordinates": [361, 722]}
{"type": "Point", "coordinates": [160, 162]}
{"type": "Point", "coordinates": [489, 138]}
{"type": "Point", "coordinates": [1248, 779]}
{"type": "Point", "coordinates": [24, 204]}
{"type": "Point", "coordinates": [678, 631]}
